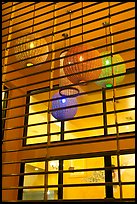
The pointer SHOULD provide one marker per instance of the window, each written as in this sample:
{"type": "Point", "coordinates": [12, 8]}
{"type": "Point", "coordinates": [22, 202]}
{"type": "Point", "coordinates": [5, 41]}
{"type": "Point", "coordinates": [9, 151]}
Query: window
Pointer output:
{"type": "Point", "coordinates": [36, 120]}
{"type": "Point", "coordinates": [80, 178]}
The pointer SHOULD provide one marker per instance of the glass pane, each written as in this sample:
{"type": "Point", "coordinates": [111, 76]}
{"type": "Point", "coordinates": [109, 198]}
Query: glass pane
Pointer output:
{"type": "Point", "coordinates": [34, 180]}
{"type": "Point", "coordinates": [52, 194]}
{"type": "Point", "coordinates": [128, 191]}
{"type": "Point", "coordinates": [53, 165]}
{"type": "Point", "coordinates": [52, 179]}
{"type": "Point", "coordinates": [84, 163]}
{"type": "Point", "coordinates": [88, 192]}
{"type": "Point", "coordinates": [124, 103]}
{"type": "Point", "coordinates": [88, 122]}
{"type": "Point", "coordinates": [37, 118]}
{"type": "Point", "coordinates": [127, 175]}
{"type": "Point", "coordinates": [41, 118]}
{"type": "Point", "coordinates": [33, 194]}
{"type": "Point", "coordinates": [96, 176]}
{"type": "Point", "coordinates": [35, 167]}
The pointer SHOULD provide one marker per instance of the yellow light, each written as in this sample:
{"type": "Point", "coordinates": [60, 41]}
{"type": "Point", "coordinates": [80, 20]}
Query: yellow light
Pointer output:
{"type": "Point", "coordinates": [36, 169]}
{"type": "Point", "coordinates": [31, 45]}
{"type": "Point", "coordinates": [29, 64]}
{"type": "Point", "coordinates": [81, 58]}
{"type": "Point", "coordinates": [107, 62]}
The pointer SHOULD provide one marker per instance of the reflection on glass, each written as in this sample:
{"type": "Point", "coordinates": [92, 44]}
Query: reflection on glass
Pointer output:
{"type": "Point", "coordinates": [52, 194]}
{"type": "Point", "coordinates": [53, 165]}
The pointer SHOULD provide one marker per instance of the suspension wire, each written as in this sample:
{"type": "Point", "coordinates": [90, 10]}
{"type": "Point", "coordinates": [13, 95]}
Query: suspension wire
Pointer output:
{"type": "Point", "coordinates": [114, 105]}
{"type": "Point", "coordinates": [70, 19]}
{"type": "Point", "coordinates": [82, 24]}
{"type": "Point", "coordinates": [106, 39]}
{"type": "Point", "coordinates": [49, 100]}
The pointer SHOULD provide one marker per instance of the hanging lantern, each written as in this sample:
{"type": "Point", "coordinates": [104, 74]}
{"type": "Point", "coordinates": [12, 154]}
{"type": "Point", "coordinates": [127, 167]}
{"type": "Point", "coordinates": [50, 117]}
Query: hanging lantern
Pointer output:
{"type": "Point", "coordinates": [107, 71]}
{"type": "Point", "coordinates": [83, 66]}
{"type": "Point", "coordinates": [25, 49]}
{"type": "Point", "coordinates": [62, 102]}
{"type": "Point", "coordinates": [66, 90]}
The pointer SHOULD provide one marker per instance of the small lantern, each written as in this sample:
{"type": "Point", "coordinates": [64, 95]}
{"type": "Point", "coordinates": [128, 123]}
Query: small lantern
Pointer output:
{"type": "Point", "coordinates": [74, 69]}
{"type": "Point", "coordinates": [62, 102]}
{"type": "Point", "coordinates": [25, 49]}
{"type": "Point", "coordinates": [107, 70]}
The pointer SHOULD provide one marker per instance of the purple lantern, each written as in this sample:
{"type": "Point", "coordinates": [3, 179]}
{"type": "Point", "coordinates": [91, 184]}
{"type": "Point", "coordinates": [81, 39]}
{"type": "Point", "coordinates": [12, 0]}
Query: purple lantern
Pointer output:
{"type": "Point", "coordinates": [62, 102]}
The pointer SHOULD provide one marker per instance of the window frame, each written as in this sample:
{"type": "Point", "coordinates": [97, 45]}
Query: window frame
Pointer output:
{"type": "Point", "coordinates": [30, 93]}
{"type": "Point", "coordinates": [60, 172]}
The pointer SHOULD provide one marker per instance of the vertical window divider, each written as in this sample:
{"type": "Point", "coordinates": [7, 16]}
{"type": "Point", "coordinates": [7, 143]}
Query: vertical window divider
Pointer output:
{"type": "Point", "coordinates": [60, 180]}
{"type": "Point", "coordinates": [107, 158]}
{"type": "Point", "coordinates": [46, 181]}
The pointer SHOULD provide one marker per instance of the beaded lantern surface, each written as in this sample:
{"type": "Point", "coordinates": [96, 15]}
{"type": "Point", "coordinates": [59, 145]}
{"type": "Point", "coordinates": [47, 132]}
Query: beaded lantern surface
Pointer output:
{"type": "Point", "coordinates": [62, 102]}
{"type": "Point", "coordinates": [107, 71]}
{"type": "Point", "coordinates": [25, 49]}
{"type": "Point", "coordinates": [71, 68]}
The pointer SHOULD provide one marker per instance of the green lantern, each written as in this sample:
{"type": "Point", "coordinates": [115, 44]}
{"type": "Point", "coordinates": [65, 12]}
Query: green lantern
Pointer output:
{"type": "Point", "coordinates": [107, 70]}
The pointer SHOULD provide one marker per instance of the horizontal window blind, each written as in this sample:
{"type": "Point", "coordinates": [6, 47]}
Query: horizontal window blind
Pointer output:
{"type": "Point", "coordinates": [68, 101]}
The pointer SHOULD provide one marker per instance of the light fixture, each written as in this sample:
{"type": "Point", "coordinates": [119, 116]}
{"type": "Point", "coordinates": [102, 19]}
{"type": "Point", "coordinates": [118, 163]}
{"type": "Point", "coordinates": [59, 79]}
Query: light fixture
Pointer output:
{"type": "Point", "coordinates": [74, 69]}
{"type": "Point", "coordinates": [36, 169]}
{"type": "Point", "coordinates": [110, 68]}
{"type": "Point", "coordinates": [28, 47]}
{"type": "Point", "coordinates": [79, 59]}
{"type": "Point", "coordinates": [62, 102]}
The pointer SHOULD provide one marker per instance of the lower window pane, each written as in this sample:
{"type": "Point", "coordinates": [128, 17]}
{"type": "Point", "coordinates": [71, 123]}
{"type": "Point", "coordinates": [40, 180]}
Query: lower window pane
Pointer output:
{"type": "Point", "coordinates": [128, 191]}
{"type": "Point", "coordinates": [52, 194]}
{"type": "Point", "coordinates": [33, 194]}
{"type": "Point", "coordinates": [88, 192]}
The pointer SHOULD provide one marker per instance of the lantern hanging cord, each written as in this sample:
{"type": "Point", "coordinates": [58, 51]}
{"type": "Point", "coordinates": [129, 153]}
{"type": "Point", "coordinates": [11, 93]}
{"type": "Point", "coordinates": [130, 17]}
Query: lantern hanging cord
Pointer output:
{"type": "Point", "coordinates": [106, 39]}
{"type": "Point", "coordinates": [82, 23]}
{"type": "Point", "coordinates": [114, 105]}
{"type": "Point", "coordinates": [49, 101]}
{"type": "Point", "coordinates": [70, 28]}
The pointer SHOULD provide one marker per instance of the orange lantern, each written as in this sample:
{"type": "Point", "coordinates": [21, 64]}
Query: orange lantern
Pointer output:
{"type": "Point", "coordinates": [71, 68]}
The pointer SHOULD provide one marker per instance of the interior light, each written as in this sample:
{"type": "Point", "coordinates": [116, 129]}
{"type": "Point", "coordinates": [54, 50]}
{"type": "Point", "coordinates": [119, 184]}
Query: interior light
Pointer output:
{"type": "Point", "coordinates": [36, 169]}
{"type": "Point", "coordinates": [48, 192]}
{"type": "Point", "coordinates": [109, 85]}
{"type": "Point", "coordinates": [31, 45]}
{"type": "Point", "coordinates": [107, 62]}
{"type": "Point", "coordinates": [29, 64]}
{"type": "Point", "coordinates": [81, 58]}
{"type": "Point", "coordinates": [63, 100]}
